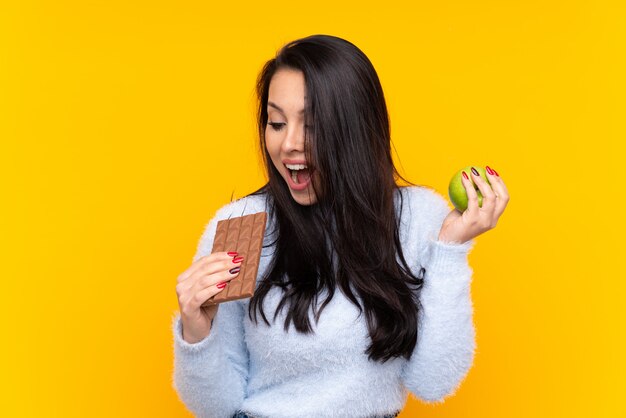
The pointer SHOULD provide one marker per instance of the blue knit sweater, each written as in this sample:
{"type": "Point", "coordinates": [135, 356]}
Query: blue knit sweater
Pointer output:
{"type": "Point", "coordinates": [268, 372]}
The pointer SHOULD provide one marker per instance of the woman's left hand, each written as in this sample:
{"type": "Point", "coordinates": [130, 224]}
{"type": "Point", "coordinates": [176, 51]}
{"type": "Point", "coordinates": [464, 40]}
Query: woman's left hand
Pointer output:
{"type": "Point", "coordinates": [461, 227]}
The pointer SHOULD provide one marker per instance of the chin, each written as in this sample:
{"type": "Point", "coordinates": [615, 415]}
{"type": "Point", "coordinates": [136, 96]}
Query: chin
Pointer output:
{"type": "Point", "coordinates": [304, 199]}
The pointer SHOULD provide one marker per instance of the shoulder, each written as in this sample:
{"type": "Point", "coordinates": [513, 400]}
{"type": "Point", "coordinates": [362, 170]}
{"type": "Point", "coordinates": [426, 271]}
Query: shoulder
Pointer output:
{"type": "Point", "coordinates": [424, 200]}
{"type": "Point", "coordinates": [248, 205]}
{"type": "Point", "coordinates": [421, 210]}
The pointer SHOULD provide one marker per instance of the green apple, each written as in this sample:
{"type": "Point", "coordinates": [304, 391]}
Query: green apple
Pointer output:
{"type": "Point", "coordinates": [456, 190]}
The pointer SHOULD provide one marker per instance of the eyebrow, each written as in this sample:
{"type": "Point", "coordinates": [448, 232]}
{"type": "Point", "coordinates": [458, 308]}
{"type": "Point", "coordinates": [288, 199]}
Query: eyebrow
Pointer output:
{"type": "Point", "coordinates": [275, 106]}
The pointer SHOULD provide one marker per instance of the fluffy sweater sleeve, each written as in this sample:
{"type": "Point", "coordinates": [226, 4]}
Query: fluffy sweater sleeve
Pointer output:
{"type": "Point", "coordinates": [446, 335]}
{"type": "Point", "coordinates": [210, 376]}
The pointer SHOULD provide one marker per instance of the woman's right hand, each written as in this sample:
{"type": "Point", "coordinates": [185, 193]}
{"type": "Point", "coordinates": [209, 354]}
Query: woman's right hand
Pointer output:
{"type": "Point", "coordinates": [206, 277]}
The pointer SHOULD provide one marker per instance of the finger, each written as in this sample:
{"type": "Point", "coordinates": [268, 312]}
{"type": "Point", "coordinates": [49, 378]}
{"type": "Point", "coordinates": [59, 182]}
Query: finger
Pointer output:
{"type": "Point", "coordinates": [216, 278]}
{"type": "Point", "coordinates": [206, 261]}
{"type": "Point", "coordinates": [215, 268]}
{"type": "Point", "coordinates": [219, 266]}
{"type": "Point", "coordinates": [489, 197]}
{"type": "Point", "coordinates": [201, 263]}
{"type": "Point", "coordinates": [500, 189]}
{"type": "Point", "coordinates": [472, 196]}
{"type": "Point", "coordinates": [205, 294]}
{"type": "Point", "coordinates": [187, 289]}
{"type": "Point", "coordinates": [493, 177]}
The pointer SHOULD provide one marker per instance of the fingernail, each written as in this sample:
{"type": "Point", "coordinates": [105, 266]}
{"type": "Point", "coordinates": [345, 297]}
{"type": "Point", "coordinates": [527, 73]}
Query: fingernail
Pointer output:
{"type": "Point", "coordinates": [232, 253]}
{"type": "Point", "coordinates": [490, 171]}
{"type": "Point", "coordinates": [237, 260]}
{"type": "Point", "coordinates": [496, 173]}
{"type": "Point", "coordinates": [465, 175]}
{"type": "Point", "coordinates": [234, 270]}
{"type": "Point", "coordinates": [475, 172]}
{"type": "Point", "coordinates": [221, 285]}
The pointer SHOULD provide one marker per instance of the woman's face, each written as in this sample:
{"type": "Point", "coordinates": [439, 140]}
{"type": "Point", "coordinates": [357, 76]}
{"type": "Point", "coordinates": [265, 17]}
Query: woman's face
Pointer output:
{"type": "Point", "coordinates": [284, 134]}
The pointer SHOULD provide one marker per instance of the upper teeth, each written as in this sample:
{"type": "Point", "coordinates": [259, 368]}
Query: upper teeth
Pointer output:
{"type": "Point", "coordinates": [296, 166]}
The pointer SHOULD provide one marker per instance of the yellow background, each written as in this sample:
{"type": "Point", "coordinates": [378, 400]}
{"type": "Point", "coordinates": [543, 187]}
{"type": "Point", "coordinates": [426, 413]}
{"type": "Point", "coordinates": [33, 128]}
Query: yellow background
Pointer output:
{"type": "Point", "coordinates": [125, 125]}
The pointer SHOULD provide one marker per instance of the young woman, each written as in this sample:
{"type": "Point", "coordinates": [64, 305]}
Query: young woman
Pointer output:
{"type": "Point", "coordinates": [363, 289]}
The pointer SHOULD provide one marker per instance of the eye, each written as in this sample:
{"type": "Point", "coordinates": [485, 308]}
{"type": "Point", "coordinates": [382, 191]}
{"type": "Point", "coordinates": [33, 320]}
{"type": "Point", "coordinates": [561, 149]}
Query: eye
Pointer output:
{"type": "Point", "coordinates": [277, 126]}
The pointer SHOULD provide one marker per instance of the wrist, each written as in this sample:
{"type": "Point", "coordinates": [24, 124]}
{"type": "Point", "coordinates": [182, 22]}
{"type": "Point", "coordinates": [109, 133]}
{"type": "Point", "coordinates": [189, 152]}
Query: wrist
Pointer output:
{"type": "Point", "coordinates": [452, 240]}
{"type": "Point", "coordinates": [444, 258]}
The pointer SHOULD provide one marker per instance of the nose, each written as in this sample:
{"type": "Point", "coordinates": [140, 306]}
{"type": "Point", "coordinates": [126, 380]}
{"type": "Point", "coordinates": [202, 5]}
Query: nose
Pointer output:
{"type": "Point", "coordinates": [294, 139]}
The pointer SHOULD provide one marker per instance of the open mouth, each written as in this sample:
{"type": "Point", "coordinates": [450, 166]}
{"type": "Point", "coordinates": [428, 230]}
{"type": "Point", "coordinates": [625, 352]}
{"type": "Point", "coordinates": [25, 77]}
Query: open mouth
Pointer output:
{"type": "Point", "coordinates": [299, 173]}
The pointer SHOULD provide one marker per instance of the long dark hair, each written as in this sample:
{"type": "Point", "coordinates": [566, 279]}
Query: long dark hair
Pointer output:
{"type": "Point", "coordinates": [349, 238]}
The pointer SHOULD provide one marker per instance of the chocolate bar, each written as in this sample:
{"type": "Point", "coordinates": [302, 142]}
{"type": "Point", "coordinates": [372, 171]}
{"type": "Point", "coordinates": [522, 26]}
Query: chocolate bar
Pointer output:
{"type": "Point", "coordinates": [243, 234]}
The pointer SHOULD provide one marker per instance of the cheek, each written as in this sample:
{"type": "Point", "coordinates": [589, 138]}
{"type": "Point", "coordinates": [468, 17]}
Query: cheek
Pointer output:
{"type": "Point", "coordinates": [272, 143]}
{"type": "Point", "coordinates": [273, 149]}
{"type": "Point", "coordinates": [268, 142]}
